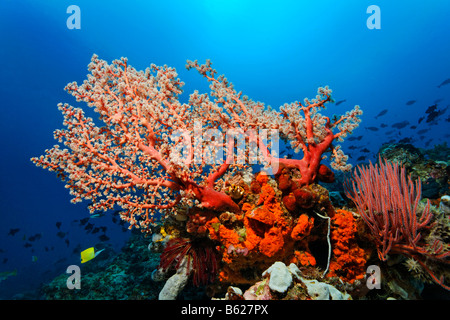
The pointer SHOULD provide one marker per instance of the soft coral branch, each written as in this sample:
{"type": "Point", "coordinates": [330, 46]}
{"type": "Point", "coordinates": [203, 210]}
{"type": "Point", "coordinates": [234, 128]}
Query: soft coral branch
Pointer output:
{"type": "Point", "coordinates": [313, 134]}
{"type": "Point", "coordinates": [127, 162]}
{"type": "Point", "coordinates": [300, 124]}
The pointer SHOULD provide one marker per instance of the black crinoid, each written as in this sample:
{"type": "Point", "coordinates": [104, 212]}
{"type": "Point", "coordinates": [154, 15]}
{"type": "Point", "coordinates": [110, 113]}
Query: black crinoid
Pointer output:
{"type": "Point", "coordinates": [202, 258]}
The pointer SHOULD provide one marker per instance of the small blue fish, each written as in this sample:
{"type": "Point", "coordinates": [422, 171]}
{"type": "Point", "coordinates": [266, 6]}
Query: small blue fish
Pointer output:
{"type": "Point", "coordinates": [445, 82]}
{"type": "Point", "coordinates": [382, 113]}
{"type": "Point", "coordinates": [400, 125]}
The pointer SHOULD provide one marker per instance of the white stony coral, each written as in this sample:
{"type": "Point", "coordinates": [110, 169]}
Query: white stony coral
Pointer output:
{"type": "Point", "coordinates": [280, 277]}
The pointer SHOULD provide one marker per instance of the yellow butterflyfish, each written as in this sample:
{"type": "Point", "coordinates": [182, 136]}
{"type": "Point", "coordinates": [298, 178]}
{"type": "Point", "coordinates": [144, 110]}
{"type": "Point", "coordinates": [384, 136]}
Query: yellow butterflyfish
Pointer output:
{"type": "Point", "coordinates": [89, 254]}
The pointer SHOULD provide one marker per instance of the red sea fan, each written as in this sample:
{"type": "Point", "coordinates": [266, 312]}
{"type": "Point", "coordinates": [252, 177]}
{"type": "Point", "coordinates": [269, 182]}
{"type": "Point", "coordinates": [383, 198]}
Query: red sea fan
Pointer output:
{"type": "Point", "coordinates": [201, 255]}
{"type": "Point", "coordinates": [388, 201]}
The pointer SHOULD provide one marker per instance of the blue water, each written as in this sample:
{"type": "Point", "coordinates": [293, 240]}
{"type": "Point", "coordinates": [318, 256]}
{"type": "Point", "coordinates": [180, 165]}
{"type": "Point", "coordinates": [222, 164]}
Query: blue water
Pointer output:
{"type": "Point", "coordinates": [274, 51]}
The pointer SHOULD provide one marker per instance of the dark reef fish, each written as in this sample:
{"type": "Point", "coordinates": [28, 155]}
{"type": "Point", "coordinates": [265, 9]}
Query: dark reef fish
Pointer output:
{"type": "Point", "coordinates": [35, 237]}
{"type": "Point", "coordinates": [96, 230]}
{"type": "Point", "coordinates": [405, 140]}
{"type": "Point", "coordinates": [433, 113]}
{"type": "Point", "coordinates": [382, 113]}
{"type": "Point", "coordinates": [13, 231]}
{"type": "Point", "coordinates": [103, 237]}
{"type": "Point", "coordinates": [61, 234]}
{"type": "Point", "coordinates": [431, 109]}
{"type": "Point", "coordinates": [354, 138]}
{"type": "Point", "coordinates": [361, 158]}
{"type": "Point", "coordinates": [400, 125]}
{"type": "Point", "coordinates": [89, 227]}
{"type": "Point", "coordinates": [445, 82]}
{"type": "Point", "coordinates": [77, 249]}
{"type": "Point", "coordinates": [84, 221]}
{"type": "Point", "coordinates": [339, 102]}
{"type": "Point", "coordinates": [410, 102]}
{"type": "Point", "coordinates": [372, 128]}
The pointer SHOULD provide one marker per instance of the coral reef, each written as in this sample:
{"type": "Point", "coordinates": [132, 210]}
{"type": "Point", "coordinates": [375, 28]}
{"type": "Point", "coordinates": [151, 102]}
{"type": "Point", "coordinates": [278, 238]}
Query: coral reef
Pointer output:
{"type": "Point", "coordinates": [286, 283]}
{"type": "Point", "coordinates": [432, 166]}
{"type": "Point", "coordinates": [112, 276]}
{"type": "Point", "coordinates": [266, 232]}
{"type": "Point", "coordinates": [217, 228]}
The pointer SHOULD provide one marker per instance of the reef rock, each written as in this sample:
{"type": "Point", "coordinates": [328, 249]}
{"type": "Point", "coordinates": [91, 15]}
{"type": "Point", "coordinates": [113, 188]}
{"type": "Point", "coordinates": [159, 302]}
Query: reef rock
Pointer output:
{"type": "Point", "coordinates": [175, 283]}
{"type": "Point", "coordinates": [324, 291]}
{"type": "Point", "coordinates": [280, 276]}
{"type": "Point", "coordinates": [288, 280]}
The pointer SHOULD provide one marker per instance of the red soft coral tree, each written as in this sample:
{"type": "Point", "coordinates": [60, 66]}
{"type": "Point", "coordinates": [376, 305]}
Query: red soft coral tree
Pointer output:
{"type": "Point", "coordinates": [129, 161]}
{"type": "Point", "coordinates": [132, 160]}
{"type": "Point", "coordinates": [312, 133]}
{"type": "Point", "coordinates": [301, 124]}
